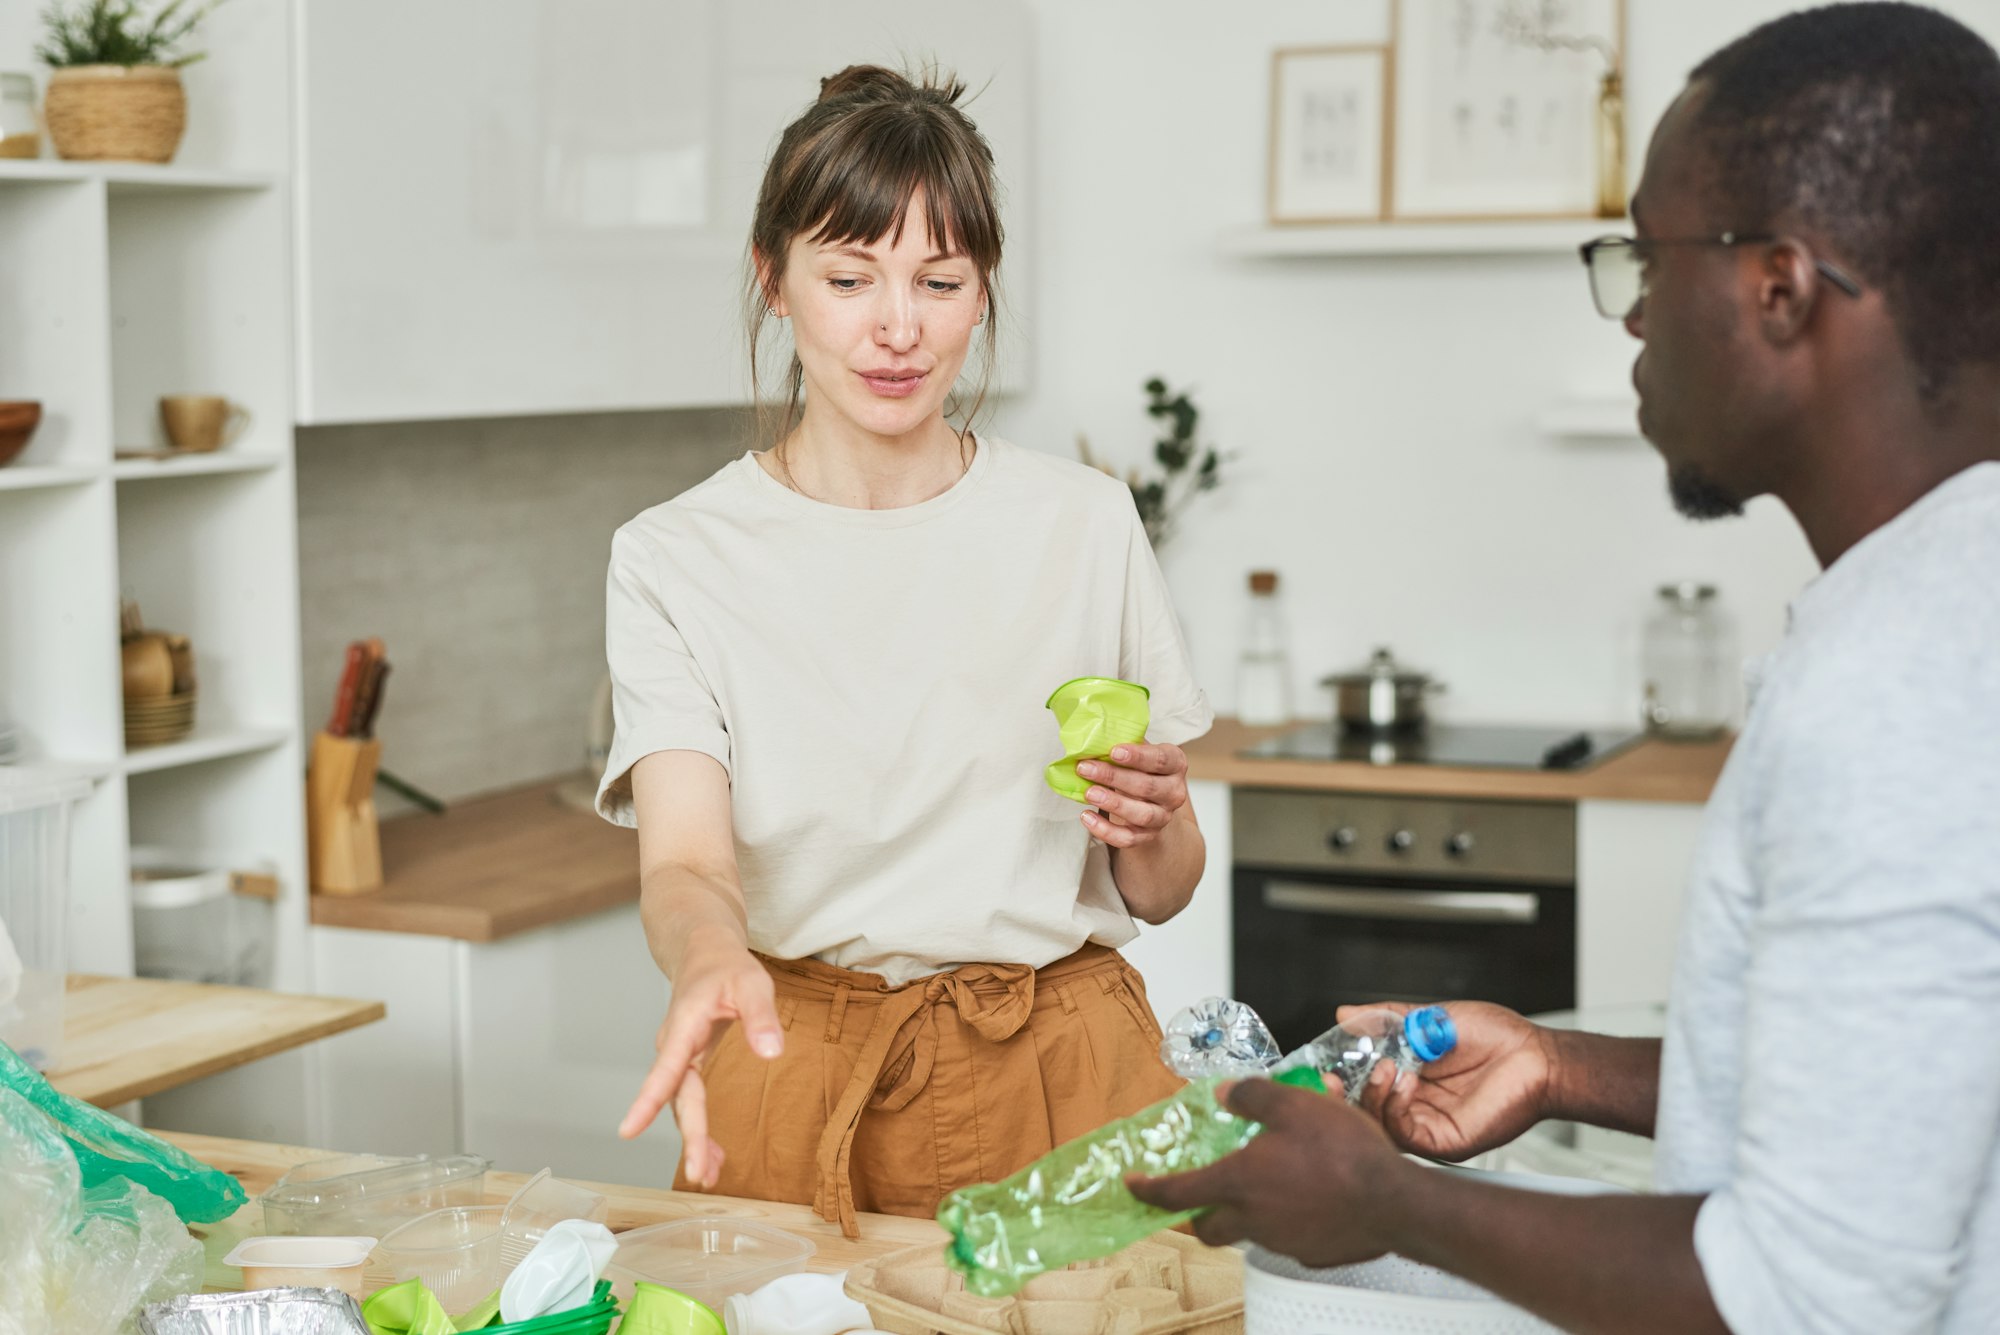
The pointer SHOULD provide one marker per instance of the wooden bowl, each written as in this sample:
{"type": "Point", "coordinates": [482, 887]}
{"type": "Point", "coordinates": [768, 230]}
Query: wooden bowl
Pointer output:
{"type": "Point", "coordinates": [18, 420]}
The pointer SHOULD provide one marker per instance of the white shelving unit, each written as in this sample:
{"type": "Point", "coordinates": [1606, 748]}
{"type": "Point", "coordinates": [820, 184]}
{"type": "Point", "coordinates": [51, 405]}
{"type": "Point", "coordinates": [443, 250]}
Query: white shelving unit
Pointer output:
{"type": "Point", "coordinates": [120, 283]}
{"type": "Point", "coordinates": [1559, 236]}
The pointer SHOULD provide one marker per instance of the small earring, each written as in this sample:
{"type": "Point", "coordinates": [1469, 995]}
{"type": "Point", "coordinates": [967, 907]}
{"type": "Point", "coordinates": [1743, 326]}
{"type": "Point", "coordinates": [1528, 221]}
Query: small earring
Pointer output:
{"type": "Point", "coordinates": [981, 319]}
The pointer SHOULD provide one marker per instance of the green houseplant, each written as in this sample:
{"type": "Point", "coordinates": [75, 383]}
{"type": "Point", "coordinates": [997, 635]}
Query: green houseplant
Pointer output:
{"type": "Point", "coordinates": [114, 84]}
{"type": "Point", "coordinates": [1187, 468]}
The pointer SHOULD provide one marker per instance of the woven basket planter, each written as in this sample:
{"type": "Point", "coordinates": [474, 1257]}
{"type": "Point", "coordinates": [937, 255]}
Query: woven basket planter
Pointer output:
{"type": "Point", "coordinates": [116, 112]}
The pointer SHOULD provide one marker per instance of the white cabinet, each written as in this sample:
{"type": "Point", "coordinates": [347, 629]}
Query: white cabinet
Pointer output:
{"type": "Point", "coordinates": [545, 208]}
{"type": "Point", "coordinates": [526, 1050]}
{"type": "Point", "coordinates": [1633, 860]}
{"type": "Point", "coordinates": [1188, 957]}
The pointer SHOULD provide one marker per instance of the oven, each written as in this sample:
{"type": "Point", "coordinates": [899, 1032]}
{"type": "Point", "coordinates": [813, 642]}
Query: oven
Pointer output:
{"type": "Point", "coordinates": [1355, 897]}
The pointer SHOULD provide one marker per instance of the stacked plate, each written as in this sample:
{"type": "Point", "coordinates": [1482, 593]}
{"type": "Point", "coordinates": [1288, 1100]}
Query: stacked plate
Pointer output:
{"type": "Point", "coordinates": [166, 718]}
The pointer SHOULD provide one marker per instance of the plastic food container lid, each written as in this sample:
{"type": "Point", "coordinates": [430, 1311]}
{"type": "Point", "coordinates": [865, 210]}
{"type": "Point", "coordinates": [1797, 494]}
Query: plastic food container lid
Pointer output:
{"type": "Point", "coordinates": [291, 1253]}
{"type": "Point", "coordinates": [708, 1253]}
{"type": "Point", "coordinates": [356, 1179]}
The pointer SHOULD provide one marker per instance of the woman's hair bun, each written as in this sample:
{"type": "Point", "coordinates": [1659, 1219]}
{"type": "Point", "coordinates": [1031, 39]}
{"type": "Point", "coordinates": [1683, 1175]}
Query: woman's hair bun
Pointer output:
{"type": "Point", "coordinates": [878, 81]}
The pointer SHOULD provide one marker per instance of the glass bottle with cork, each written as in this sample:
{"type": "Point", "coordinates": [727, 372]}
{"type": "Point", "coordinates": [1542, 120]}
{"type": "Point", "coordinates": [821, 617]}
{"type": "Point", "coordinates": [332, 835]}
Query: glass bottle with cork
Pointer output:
{"type": "Point", "coordinates": [1264, 671]}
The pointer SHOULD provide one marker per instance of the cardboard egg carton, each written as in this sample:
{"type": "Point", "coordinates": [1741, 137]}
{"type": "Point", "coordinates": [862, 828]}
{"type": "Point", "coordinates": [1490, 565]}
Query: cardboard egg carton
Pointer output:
{"type": "Point", "coordinates": [1169, 1283]}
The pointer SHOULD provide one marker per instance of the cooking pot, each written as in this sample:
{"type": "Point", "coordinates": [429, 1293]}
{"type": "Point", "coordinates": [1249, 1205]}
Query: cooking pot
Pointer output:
{"type": "Point", "coordinates": [1385, 696]}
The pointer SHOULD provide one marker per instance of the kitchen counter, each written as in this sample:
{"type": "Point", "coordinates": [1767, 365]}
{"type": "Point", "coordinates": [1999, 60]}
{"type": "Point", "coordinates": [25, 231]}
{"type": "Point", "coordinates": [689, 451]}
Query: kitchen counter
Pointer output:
{"type": "Point", "coordinates": [1648, 771]}
{"type": "Point", "coordinates": [257, 1165]}
{"type": "Point", "coordinates": [127, 1038]}
{"type": "Point", "coordinates": [492, 868]}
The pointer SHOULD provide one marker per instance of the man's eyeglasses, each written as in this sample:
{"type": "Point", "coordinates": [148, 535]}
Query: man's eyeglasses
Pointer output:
{"type": "Point", "coordinates": [1617, 267]}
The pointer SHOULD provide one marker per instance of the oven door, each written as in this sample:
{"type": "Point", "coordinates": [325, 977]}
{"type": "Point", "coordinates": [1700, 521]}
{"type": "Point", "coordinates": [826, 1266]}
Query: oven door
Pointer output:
{"type": "Point", "coordinates": [1307, 942]}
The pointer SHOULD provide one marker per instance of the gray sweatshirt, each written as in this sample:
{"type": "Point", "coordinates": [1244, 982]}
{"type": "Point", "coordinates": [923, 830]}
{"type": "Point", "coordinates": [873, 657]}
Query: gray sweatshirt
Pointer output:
{"type": "Point", "coordinates": [1831, 1076]}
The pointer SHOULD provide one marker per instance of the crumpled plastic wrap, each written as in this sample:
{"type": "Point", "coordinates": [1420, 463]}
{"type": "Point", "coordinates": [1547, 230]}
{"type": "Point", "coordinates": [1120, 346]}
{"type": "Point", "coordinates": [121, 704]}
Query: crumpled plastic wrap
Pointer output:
{"type": "Point", "coordinates": [1218, 1037]}
{"type": "Point", "coordinates": [82, 1262]}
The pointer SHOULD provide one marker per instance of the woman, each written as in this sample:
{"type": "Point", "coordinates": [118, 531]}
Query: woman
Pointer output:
{"type": "Point", "coordinates": [891, 946]}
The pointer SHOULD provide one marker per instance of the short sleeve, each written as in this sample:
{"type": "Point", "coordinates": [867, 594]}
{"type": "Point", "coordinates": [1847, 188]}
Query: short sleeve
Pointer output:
{"type": "Point", "coordinates": [1152, 650]}
{"type": "Point", "coordinates": [660, 698]}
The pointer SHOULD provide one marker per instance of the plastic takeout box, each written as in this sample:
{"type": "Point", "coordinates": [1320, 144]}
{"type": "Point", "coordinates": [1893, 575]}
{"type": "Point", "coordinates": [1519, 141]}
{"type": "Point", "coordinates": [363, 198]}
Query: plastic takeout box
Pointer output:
{"type": "Point", "coordinates": [454, 1251]}
{"type": "Point", "coordinates": [542, 1202]}
{"type": "Point", "coordinates": [707, 1258]}
{"type": "Point", "coordinates": [369, 1193]}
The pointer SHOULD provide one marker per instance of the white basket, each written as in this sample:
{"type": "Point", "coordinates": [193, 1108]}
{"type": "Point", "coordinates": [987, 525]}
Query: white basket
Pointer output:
{"type": "Point", "coordinates": [1282, 1297]}
{"type": "Point", "coordinates": [1391, 1293]}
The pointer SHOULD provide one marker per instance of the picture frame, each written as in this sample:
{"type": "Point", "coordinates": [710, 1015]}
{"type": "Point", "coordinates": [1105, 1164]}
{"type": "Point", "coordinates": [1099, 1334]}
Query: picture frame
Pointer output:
{"type": "Point", "coordinates": [1329, 139]}
{"type": "Point", "coordinates": [1496, 107]}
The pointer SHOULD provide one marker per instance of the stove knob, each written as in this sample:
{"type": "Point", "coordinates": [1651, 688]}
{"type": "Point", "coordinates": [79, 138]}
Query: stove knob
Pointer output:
{"type": "Point", "coordinates": [1402, 841]}
{"type": "Point", "coordinates": [1459, 844]}
{"type": "Point", "coordinates": [1341, 839]}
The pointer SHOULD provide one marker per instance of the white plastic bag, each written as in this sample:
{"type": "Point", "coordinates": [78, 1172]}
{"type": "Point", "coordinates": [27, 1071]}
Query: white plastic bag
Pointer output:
{"type": "Point", "coordinates": [10, 969]}
{"type": "Point", "coordinates": [75, 1261]}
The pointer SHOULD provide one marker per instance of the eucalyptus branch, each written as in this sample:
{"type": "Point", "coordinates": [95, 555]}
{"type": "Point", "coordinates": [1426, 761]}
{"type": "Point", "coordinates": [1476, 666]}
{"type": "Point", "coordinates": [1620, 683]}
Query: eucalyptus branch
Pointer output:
{"type": "Point", "coordinates": [1534, 25]}
{"type": "Point", "coordinates": [1186, 468]}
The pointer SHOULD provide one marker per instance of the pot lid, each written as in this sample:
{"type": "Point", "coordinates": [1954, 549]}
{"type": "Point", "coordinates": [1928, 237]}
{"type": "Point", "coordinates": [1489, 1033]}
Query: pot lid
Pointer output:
{"type": "Point", "coordinates": [1382, 666]}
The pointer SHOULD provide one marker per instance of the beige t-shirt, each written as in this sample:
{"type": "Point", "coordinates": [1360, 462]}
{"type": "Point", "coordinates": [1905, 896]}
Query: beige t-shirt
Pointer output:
{"type": "Point", "coordinates": [875, 683]}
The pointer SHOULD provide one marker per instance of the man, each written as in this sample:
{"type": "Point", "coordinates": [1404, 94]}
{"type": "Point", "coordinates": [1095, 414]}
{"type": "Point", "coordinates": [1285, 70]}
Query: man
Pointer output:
{"type": "Point", "coordinates": [1816, 280]}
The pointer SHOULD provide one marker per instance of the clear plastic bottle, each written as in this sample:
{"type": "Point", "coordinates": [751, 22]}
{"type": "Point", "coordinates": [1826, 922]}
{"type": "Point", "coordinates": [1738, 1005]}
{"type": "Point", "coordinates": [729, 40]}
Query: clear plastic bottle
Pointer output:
{"type": "Point", "coordinates": [1071, 1204]}
{"type": "Point", "coordinates": [1264, 671]}
{"type": "Point", "coordinates": [1688, 652]}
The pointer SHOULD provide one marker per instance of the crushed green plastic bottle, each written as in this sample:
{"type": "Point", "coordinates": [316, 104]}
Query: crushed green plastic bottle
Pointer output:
{"type": "Point", "coordinates": [1072, 1204]}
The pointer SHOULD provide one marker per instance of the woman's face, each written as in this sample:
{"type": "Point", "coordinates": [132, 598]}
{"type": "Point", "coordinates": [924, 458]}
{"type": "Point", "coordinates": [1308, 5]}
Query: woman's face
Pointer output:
{"type": "Point", "coordinates": [881, 328]}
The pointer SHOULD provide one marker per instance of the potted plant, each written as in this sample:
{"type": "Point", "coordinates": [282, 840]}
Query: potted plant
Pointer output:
{"type": "Point", "coordinates": [115, 85]}
{"type": "Point", "coordinates": [1186, 468]}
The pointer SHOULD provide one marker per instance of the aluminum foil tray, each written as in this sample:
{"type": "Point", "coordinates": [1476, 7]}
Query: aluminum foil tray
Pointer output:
{"type": "Point", "coordinates": [262, 1312]}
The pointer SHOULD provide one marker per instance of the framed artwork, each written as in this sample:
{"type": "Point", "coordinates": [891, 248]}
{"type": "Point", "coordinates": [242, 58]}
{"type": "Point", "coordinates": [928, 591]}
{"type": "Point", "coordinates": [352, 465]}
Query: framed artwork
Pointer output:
{"type": "Point", "coordinates": [1506, 108]}
{"type": "Point", "coordinates": [1329, 134]}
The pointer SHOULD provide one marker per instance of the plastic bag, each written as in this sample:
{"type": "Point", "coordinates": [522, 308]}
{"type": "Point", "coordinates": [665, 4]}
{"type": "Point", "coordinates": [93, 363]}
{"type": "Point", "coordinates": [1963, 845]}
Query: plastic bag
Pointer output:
{"type": "Point", "coordinates": [106, 1148]}
{"type": "Point", "coordinates": [80, 1261]}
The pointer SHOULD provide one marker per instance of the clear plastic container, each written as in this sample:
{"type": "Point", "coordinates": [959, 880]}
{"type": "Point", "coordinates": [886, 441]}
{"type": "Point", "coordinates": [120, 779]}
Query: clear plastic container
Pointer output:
{"type": "Point", "coordinates": [189, 924]}
{"type": "Point", "coordinates": [1263, 667]}
{"type": "Point", "coordinates": [706, 1258]}
{"type": "Point", "coordinates": [1688, 648]}
{"type": "Point", "coordinates": [34, 909]}
{"type": "Point", "coordinates": [307, 1263]}
{"type": "Point", "coordinates": [541, 1202]}
{"type": "Point", "coordinates": [455, 1252]}
{"type": "Point", "coordinates": [369, 1193]}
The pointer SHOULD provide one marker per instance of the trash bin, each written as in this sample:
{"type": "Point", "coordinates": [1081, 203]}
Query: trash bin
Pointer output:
{"type": "Point", "coordinates": [34, 909]}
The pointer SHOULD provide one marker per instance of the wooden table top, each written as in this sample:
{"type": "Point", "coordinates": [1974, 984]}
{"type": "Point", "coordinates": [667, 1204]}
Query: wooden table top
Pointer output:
{"type": "Point", "coordinates": [125, 1038]}
{"type": "Point", "coordinates": [257, 1165]}
{"type": "Point", "coordinates": [1648, 771]}
{"type": "Point", "coordinates": [490, 868]}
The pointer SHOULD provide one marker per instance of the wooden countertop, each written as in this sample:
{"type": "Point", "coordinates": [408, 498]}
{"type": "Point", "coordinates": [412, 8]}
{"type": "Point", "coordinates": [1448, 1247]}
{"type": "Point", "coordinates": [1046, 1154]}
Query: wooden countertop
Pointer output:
{"type": "Point", "coordinates": [1649, 771]}
{"type": "Point", "coordinates": [257, 1165]}
{"type": "Point", "coordinates": [125, 1038]}
{"type": "Point", "coordinates": [488, 869]}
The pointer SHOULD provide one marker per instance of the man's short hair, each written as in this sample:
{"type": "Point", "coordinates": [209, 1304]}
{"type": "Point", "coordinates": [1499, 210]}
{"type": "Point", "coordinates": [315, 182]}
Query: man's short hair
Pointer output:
{"type": "Point", "coordinates": [1877, 125]}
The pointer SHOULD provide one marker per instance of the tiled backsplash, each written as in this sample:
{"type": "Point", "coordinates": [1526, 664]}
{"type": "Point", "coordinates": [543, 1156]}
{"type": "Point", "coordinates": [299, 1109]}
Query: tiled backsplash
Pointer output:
{"type": "Point", "coordinates": [477, 551]}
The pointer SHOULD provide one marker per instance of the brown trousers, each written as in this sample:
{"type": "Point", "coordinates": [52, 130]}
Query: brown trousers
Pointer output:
{"type": "Point", "coordinates": [890, 1098]}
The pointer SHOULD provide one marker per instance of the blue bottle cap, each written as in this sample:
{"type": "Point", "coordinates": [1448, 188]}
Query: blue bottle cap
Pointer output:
{"type": "Point", "coordinates": [1430, 1032]}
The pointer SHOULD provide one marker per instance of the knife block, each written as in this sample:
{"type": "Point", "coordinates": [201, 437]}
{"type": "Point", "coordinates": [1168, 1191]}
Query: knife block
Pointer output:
{"type": "Point", "coordinates": [343, 837]}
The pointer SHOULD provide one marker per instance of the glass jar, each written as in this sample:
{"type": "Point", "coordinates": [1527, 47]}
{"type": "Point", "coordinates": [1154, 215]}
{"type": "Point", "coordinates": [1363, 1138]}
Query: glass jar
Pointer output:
{"type": "Point", "coordinates": [20, 132]}
{"type": "Point", "coordinates": [1688, 657]}
{"type": "Point", "coordinates": [1264, 670]}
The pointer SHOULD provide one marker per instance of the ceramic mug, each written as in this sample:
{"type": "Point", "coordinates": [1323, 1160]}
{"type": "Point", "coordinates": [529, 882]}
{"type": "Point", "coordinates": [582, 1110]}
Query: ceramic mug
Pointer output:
{"type": "Point", "coordinates": [199, 423]}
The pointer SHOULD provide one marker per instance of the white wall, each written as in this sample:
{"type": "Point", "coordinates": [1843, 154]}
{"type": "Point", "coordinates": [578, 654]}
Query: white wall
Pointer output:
{"type": "Point", "coordinates": [1383, 410]}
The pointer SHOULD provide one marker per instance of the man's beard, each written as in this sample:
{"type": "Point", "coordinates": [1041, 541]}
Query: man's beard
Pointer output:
{"type": "Point", "coordinates": [1698, 496]}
